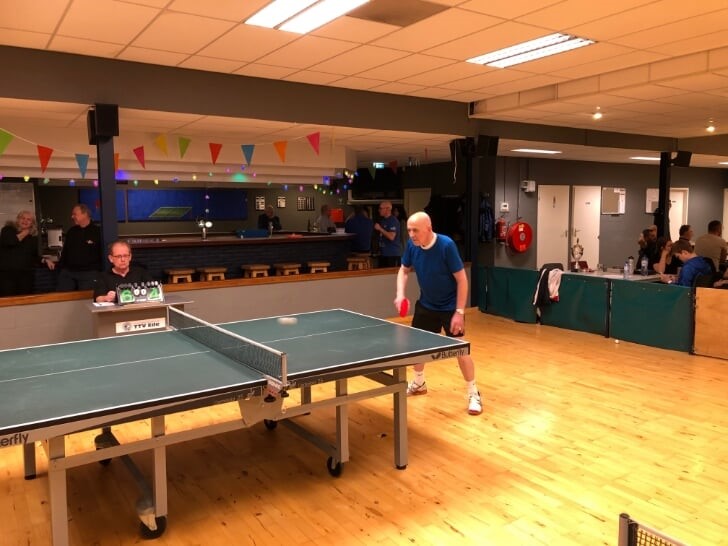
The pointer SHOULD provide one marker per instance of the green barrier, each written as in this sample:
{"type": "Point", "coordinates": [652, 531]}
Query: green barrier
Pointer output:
{"type": "Point", "coordinates": [583, 305]}
{"type": "Point", "coordinates": [508, 292]}
{"type": "Point", "coordinates": [652, 314]}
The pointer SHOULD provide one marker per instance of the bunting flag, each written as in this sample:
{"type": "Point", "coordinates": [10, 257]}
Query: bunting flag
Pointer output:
{"type": "Point", "coordinates": [116, 161]}
{"type": "Point", "coordinates": [183, 144]}
{"type": "Point", "coordinates": [82, 162]}
{"type": "Point", "coordinates": [139, 153]}
{"type": "Point", "coordinates": [280, 147]}
{"type": "Point", "coordinates": [313, 140]}
{"type": "Point", "coordinates": [248, 150]}
{"type": "Point", "coordinates": [5, 139]}
{"type": "Point", "coordinates": [161, 143]}
{"type": "Point", "coordinates": [393, 166]}
{"type": "Point", "coordinates": [215, 151]}
{"type": "Point", "coordinates": [44, 154]}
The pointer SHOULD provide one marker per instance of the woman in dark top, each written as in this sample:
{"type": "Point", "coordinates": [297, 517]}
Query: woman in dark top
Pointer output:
{"type": "Point", "coordinates": [18, 255]}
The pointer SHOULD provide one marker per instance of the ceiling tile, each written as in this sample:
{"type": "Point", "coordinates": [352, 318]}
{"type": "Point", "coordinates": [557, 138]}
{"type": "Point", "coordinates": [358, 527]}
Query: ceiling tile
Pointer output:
{"type": "Point", "coordinates": [24, 38]}
{"type": "Point", "coordinates": [439, 29]}
{"type": "Point", "coordinates": [152, 56]}
{"type": "Point", "coordinates": [691, 45]}
{"type": "Point", "coordinates": [397, 88]}
{"type": "Point", "coordinates": [106, 20]}
{"type": "Point", "coordinates": [562, 16]}
{"type": "Point", "coordinates": [264, 71]}
{"type": "Point", "coordinates": [32, 15]}
{"type": "Point", "coordinates": [354, 30]}
{"type": "Point", "coordinates": [211, 64]}
{"type": "Point", "coordinates": [247, 43]}
{"type": "Point", "coordinates": [439, 76]}
{"type": "Point", "coordinates": [508, 9]}
{"type": "Point", "coordinates": [521, 85]}
{"type": "Point", "coordinates": [610, 64]}
{"type": "Point", "coordinates": [85, 47]}
{"type": "Point", "coordinates": [697, 82]}
{"type": "Point", "coordinates": [359, 60]}
{"type": "Point", "coordinates": [164, 32]}
{"type": "Point", "coordinates": [229, 10]}
{"type": "Point", "coordinates": [406, 66]}
{"type": "Point", "coordinates": [356, 82]}
{"type": "Point", "coordinates": [306, 51]}
{"type": "Point", "coordinates": [312, 77]}
{"type": "Point", "coordinates": [677, 31]}
{"type": "Point", "coordinates": [646, 92]}
{"type": "Point", "coordinates": [432, 93]}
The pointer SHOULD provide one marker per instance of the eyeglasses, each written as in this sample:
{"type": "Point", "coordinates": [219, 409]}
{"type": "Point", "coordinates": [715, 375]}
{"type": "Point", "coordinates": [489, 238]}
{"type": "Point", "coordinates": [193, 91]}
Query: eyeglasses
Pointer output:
{"type": "Point", "coordinates": [121, 256]}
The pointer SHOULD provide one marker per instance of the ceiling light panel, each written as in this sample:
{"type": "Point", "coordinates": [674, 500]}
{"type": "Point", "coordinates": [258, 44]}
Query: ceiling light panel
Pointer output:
{"type": "Point", "coordinates": [531, 50]}
{"type": "Point", "coordinates": [278, 11]}
{"type": "Point", "coordinates": [320, 14]}
{"type": "Point", "coordinates": [536, 151]}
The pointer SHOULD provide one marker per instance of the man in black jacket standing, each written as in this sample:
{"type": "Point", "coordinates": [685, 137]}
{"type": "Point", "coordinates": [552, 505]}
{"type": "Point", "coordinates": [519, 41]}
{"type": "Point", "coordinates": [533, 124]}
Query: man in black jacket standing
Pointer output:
{"type": "Point", "coordinates": [80, 261]}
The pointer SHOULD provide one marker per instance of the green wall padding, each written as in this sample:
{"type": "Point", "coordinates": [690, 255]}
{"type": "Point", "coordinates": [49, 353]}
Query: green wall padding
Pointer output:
{"type": "Point", "coordinates": [652, 314]}
{"type": "Point", "coordinates": [583, 305]}
{"type": "Point", "coordinates": [508, 292]}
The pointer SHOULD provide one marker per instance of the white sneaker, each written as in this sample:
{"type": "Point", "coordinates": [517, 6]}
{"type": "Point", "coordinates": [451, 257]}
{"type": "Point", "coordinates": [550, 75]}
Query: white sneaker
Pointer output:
{"type": "Point", "coordinates": [475, 407]}
{"type": "Point", "coordinates": [413, 389]}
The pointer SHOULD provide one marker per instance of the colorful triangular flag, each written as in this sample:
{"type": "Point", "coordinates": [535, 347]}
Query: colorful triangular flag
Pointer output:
{"type": "Point", "coordinates": [248, 150]}
{"type": "Point", "coordinates": [215, 151]}
{"type": "Point", "coordinates": [5, 139]}
{"type": "Point", "coordinates": [183, 143]}
{"type": "Point", "coordinates": [280, 147]}
{"type": "Point", "coordinates": [314, 139]}
{"type": "Point", "coordinates": [44, 155]}
{"type": "Point", "coordinates": [161, 143]}
{"type": "Point", "coordinates": [82, 162]}
{"type": "Point", "coordinates": [139, 153]}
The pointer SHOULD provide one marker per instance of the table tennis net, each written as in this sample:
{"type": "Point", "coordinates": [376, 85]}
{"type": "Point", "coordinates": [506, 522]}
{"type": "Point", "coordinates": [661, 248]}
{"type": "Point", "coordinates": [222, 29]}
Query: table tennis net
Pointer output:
{"type": "Point", "coordinates": [266, 360]}
{"type": "Point", "coordinates": [633, 533]}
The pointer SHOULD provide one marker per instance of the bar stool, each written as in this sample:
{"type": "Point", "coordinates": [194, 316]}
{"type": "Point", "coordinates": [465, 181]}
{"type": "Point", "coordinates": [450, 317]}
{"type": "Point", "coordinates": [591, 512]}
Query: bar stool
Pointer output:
{"type": "Point", "coordinates": [212, 273]}
{"type": "Point", "coordinates": [357, 263]}
{"type": "Point", "coordinates": [253, 271]}
{"type": "Point", "coordinates": [287, 268]}
{"type": "Point", "coordinates": [318, 267]}
{"type": "Point", "coordinates": [180, 274]}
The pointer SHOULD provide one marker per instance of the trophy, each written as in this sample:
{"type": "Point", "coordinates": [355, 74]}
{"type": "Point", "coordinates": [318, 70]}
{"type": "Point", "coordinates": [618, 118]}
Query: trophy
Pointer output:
{"type": "Point", "coordinates": [577, 251]}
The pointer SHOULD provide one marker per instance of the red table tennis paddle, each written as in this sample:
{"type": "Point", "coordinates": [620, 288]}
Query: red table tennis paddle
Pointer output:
{"type": "Point", "coordinates": [403, 307]}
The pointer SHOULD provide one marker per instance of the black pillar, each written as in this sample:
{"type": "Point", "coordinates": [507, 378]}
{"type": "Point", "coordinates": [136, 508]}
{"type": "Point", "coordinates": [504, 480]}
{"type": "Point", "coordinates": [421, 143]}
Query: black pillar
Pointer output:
{"type": "Point", "coordinates": [662, 214]}
{"type": "Point", "coordinates": [103, 126]}
{"type": "Point", "coordinates": [481, 183]}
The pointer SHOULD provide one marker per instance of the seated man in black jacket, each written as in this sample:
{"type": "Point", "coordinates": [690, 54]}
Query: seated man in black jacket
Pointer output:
{"type": "Point", "coordinates": [269, 217]}
{"type": "Point", "coordinates": [121, 272]}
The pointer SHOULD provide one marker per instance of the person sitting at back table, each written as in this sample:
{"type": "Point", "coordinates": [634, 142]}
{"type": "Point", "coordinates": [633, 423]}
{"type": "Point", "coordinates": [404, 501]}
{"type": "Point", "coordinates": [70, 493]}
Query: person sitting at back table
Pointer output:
{"type": "Point", "coordinates": [649, 249]}
{"type": "Point", "coordinates": [269, 216]}
{"type": "Point", "coordinates": [667, 264]}
{"type": "Point", "coordinates": [324, 223]}
{"type": "Point", "coordinates": [19, 255]}
{"type": "Point", "coordinates": [644, 239]}
{"type": "Point", "coordinates": [693, 265]}
{"type": "Point", "coordinates": [361, 225]}
{"type": "Point", "coordinates": [121, 272]}
{"type": "Point", "coordinates": [686, 233]}
{"type": "Point", "coordinates": [712, 245]}
{"type": "Point", "coordinates": [80, 261]}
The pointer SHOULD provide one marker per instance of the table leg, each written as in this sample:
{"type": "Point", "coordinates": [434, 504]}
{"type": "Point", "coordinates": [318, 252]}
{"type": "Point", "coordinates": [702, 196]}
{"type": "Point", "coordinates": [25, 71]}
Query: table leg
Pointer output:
{"type": "Point", "coordinates": [29, 460]}
{"type": "Point", "coordinates": [401, 452]}
{"type": "Point", "coordinates": [160, 469]}
{"type": "Point", "coordinates": [342, 422]}
{"type": "Point", "coordinates": [58, 491]}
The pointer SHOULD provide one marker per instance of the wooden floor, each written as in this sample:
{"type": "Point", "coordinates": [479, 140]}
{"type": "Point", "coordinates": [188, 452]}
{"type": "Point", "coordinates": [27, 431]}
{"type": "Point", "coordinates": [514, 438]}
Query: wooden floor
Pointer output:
{"type": "Point", "coordinates": [576, 430]}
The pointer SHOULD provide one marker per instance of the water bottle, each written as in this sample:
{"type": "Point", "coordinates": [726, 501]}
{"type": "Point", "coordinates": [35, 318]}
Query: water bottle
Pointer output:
{"type": "Point", "coordinates": [644, 265]}
{"type": "Point", "coordinates": [626, 269]}
{"type": "Point", "coordinates": [630, 261]}
{"type": "Point", "coordinates": [270, 229]}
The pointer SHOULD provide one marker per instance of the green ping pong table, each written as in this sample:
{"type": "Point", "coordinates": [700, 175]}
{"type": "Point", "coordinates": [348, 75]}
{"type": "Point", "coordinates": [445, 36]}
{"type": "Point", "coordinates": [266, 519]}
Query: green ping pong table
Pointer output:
{"type": "Point", "coordinates": [52, 391]}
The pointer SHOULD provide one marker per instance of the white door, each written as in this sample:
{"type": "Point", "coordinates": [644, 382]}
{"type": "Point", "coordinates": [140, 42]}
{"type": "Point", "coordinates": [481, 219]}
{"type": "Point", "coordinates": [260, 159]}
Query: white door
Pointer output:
{"type": "Point", "coordinates": [416, 199]}
{"type": "Point", "coordinates": [552, 225]}
{"type": "Point", "coordinates": [678, 211]}
{"type": "Point", "coordinates": [585, 217]}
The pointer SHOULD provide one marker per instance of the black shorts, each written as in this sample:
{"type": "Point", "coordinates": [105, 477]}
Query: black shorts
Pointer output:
{"type": "Point", "coordinates": [433, 321]}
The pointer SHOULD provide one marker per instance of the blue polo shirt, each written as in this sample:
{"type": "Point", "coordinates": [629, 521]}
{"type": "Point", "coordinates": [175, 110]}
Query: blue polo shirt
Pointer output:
{"type": "Point", "coordinates": [387, 247]}
{"type": "Point", "coordinates": [435, 268]}
{"type": "Point", "coordinates": [691, 269]}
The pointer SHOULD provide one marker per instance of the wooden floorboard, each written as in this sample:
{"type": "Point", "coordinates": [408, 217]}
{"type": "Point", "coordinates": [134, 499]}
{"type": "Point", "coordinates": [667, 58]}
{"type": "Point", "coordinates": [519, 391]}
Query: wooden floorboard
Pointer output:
{"type": "Point", "coordinates": [576, 429]}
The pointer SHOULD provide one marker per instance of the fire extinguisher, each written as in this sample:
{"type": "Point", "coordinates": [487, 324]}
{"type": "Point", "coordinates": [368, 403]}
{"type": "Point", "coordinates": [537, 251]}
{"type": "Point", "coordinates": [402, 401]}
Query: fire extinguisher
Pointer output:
{"type": "Point", "coordinates": [501, 230]}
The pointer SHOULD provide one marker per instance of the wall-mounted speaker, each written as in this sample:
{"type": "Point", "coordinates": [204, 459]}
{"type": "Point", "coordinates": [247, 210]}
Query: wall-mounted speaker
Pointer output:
{"type": "Point", "coordinates": [682, 159]}
{"type": "Point", "coordinates": [102, 122]}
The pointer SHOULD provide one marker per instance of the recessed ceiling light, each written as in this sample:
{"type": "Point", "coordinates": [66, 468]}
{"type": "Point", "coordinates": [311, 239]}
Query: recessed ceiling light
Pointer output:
{"type": "Point", "coordinates": [278, 11]}
{"type": "Point", "coordinates": [723, 163]}
{"type": "Point", "coordinates": [711, 127]}
{"type": "Point", "coordinates": [645, 158]}
{"type": "Point", "coordinates": [597, 114]}
{"type": "Point", "coordinates": [531, 50]}
{"type": "Point", "coordinates": [536, 151]}
{"type": "Point", "coordinates": [320, 14]}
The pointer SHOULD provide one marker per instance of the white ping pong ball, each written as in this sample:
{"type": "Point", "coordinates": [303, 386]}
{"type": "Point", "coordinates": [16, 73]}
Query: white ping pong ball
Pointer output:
{"type": "Point", "coordinates": [287, 321]}
{"type": "Point", "coordinates": [616, 341]}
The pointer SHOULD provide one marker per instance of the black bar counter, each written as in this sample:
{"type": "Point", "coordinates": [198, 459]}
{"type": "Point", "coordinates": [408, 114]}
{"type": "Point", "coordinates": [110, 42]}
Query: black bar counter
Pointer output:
{"type": "Point", "coordinates": [160, 252]}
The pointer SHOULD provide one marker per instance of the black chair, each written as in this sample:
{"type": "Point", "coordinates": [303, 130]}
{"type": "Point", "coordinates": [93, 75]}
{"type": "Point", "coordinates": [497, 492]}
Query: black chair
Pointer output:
{"type": "Point", "coordinates": [704, 280]}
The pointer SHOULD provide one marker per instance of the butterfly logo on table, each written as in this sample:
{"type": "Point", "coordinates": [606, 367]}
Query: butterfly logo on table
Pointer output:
{"type": "Point", "coordinates": [450, 353]}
